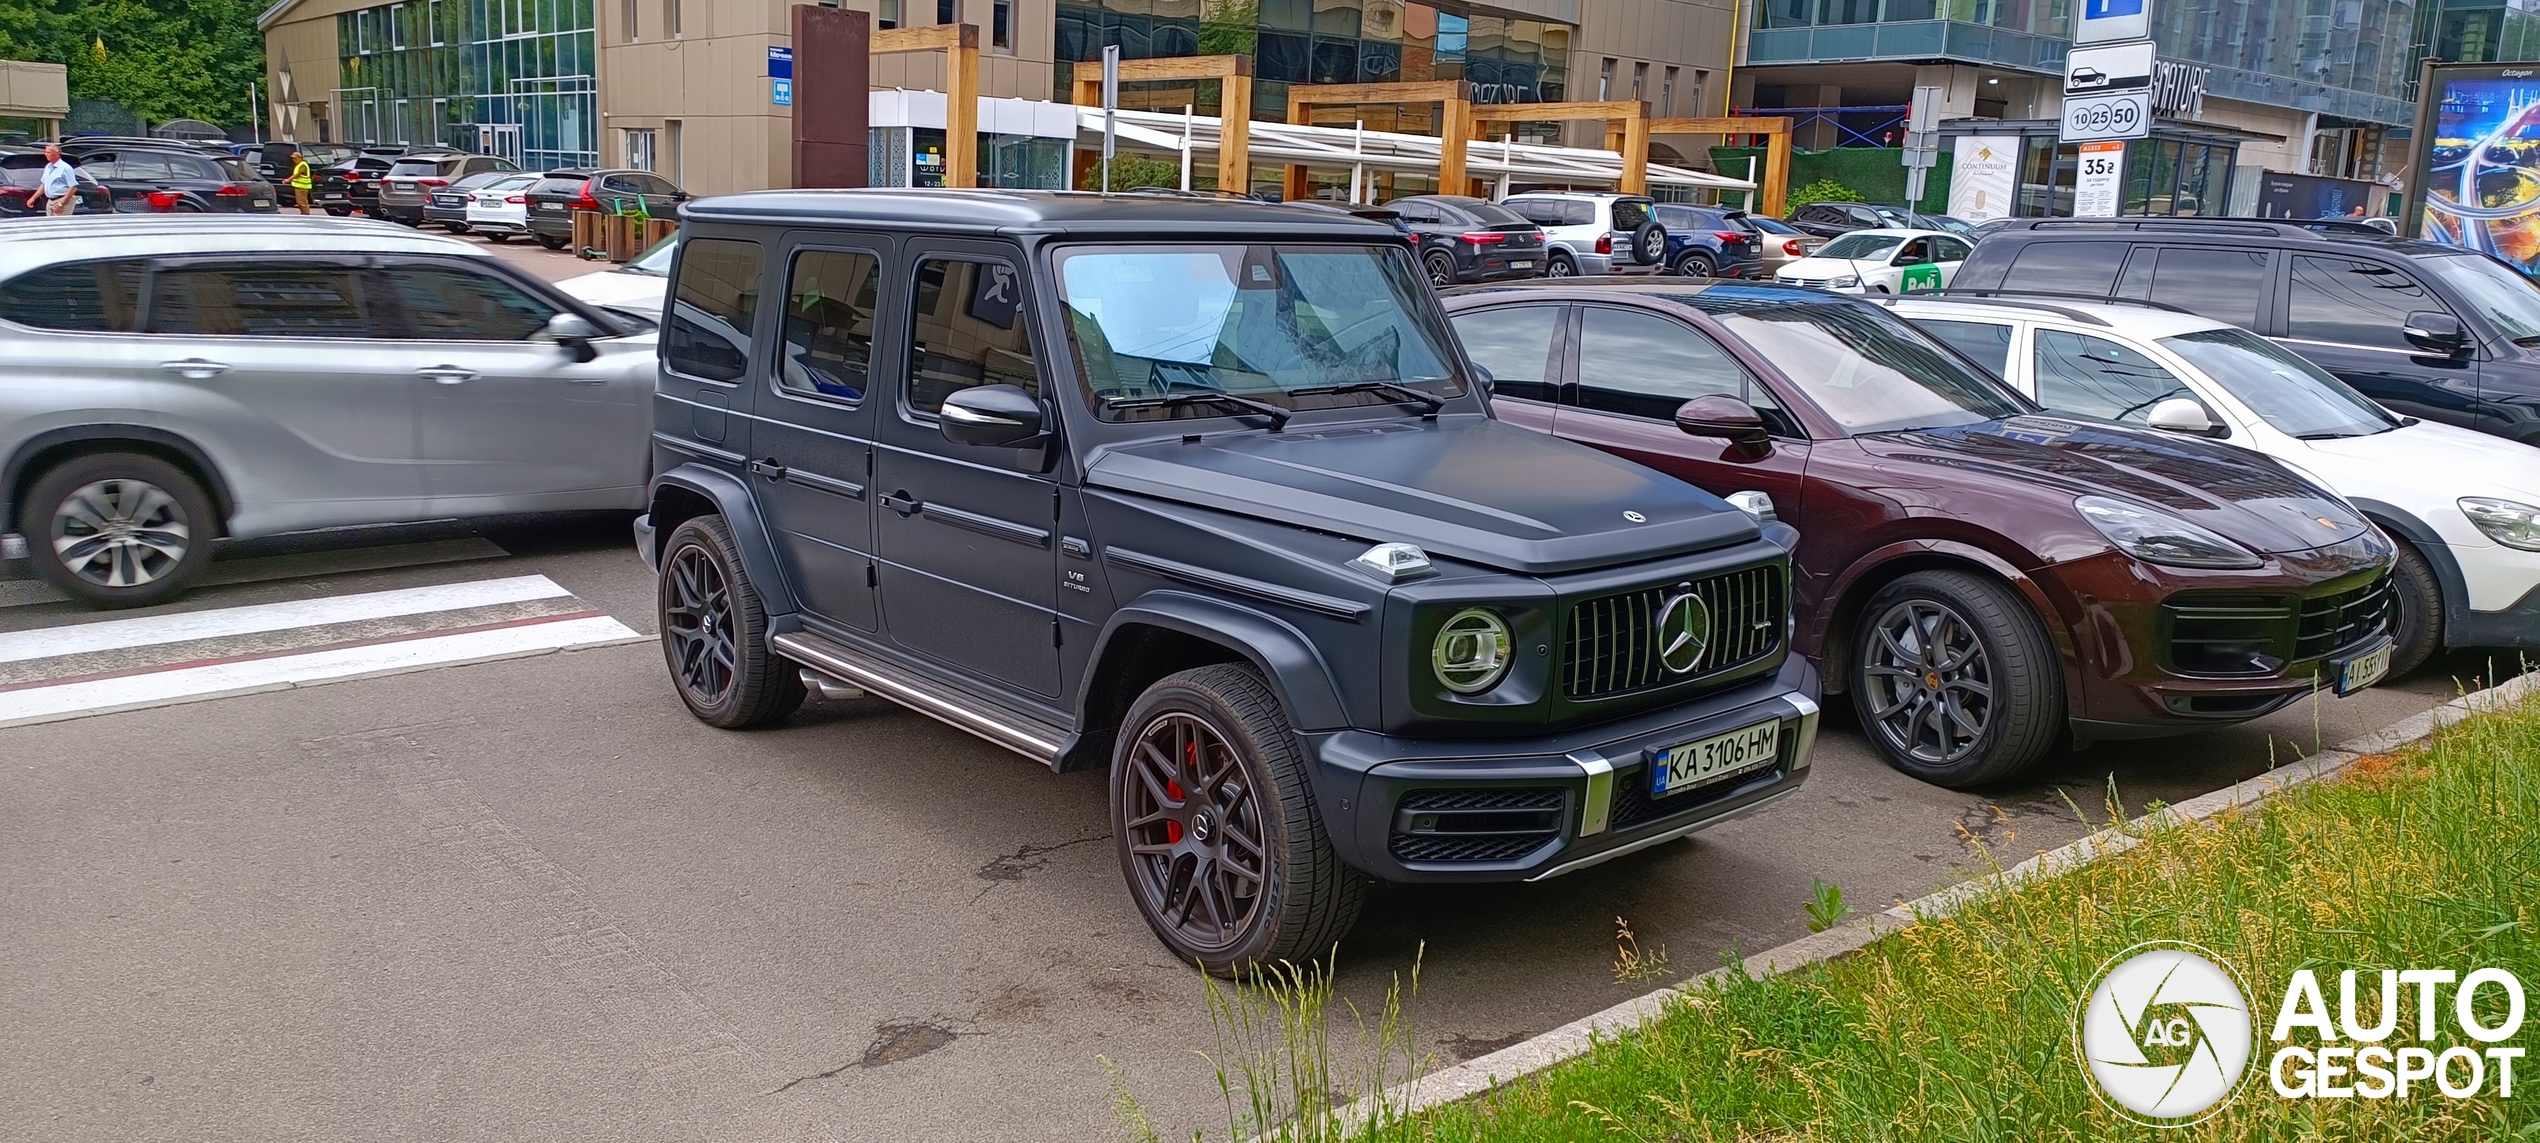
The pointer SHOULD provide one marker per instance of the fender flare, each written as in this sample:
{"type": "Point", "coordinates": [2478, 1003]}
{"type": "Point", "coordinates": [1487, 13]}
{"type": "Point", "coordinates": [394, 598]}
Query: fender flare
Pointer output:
{"type": "Point", "coordinates": [2407, 528]}
{"type": "Point", "coordinates": [13, 472]}
{"type": "Point", "coordinates": [2059, 630]}
{"type": "Point", "coordinates": [732, 500]}
{"type": "Point", "coordinates": [1282, 654]}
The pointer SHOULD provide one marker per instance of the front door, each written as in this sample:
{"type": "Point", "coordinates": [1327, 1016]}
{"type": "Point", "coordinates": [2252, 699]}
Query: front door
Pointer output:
{"type": "Point", "coordinates": [811, 467]}
{"type": "Point", "coordinates": [968, 567]}
{"type": "Point", "coordinates": [507, 420]}
{"type": "Point", "coordinates": [2345, 314]}
{"type": "Point", "coordinates": [1519, 346]}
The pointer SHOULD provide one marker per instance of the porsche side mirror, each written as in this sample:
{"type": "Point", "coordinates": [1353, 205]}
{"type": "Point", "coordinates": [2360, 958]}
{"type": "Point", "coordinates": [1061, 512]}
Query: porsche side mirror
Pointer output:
{"type": "Point", "coordinates": [1729, 419]}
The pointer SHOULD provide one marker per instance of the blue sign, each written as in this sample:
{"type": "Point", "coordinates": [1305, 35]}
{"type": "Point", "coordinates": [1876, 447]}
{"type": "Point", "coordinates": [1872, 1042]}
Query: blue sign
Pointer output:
{"type": "Point", "coordinates": [783, 93]}
{"type": "Point", "coordinates": [2109, 9]}
{"type": "Point", "coordinates": [2113, 21]}
{"type": "Point", "coordinates": [780, 61]}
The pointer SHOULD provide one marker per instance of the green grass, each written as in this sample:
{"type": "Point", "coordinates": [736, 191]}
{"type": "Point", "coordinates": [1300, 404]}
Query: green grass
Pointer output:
{"type": "Point", "coordinates": [1960, 1028]}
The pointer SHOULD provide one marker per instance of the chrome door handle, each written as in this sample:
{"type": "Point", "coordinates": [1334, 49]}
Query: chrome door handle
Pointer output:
{"type": "Point", "coordinates": [447, 374]}
{"type": "Point", "coordinates": [902, 503]}
{"type": "Point", "coordinates": [195, 368]}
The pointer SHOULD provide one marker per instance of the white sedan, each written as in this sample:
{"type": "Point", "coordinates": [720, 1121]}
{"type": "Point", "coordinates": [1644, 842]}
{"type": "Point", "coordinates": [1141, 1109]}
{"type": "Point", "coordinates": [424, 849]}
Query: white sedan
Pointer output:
{"type": "Point", "coordinates": [2463, 506]}
{"type": "Point", "coordinates": [638, 287]}
{"type": "Point", "coordinates": [500, 209]}
{"type": "Point", "coordinates": [1880, 262]}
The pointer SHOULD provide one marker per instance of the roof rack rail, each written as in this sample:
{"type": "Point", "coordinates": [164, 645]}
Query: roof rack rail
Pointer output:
{"type": "Point", "coordinates": [1973, 298]}
{"type": "Point", "coordinates": [2276, 227]}
{"type": "Point", "coordinates": [2013, 296]}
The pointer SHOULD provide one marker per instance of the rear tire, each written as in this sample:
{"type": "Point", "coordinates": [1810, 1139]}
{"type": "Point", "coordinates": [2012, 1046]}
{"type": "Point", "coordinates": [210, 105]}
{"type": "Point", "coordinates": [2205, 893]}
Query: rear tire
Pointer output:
{"type": "Point", "coordinates": [1441, 267]}
{"type": "Point", "coordinates": [455, 227]}
{"type": "Point", "coordinates": [1219, 837]}
{"type": "Point", "coordinates": [1955, 679]}
{"type": "Point", "coordinates": [551, 243]}
{"type": "Point", "coordinates": [1561, 266]}
{"type": "Point", "coordinates": [2417, 628]}
{"type": "Point", "coordinates": [1695, 265]}
{"type": "Point", "coordinates": [497, 238]}
{"type": "Point", "coordinates": [714, 632]}
{"type": "Point", "coordinates": [119, 529]}
{"type": "Point", "coordinates": [340, 211]}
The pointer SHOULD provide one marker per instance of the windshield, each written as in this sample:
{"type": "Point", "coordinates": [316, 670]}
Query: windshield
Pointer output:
{"type": "Point", "coordinates": [2505, 297]}
{"type": "Point", "coordinates": [2293, 395]}
{"type": "Point", "coordinates": [1258, 321]}
{"type": "Point", "coordinates": [511, 183]}
{"type": "Point", "coordinates": [1861, 246]}
{"type": "Point", "coordinates": [656, 261]}
{"type": "Point", "coordinates": [1868, 370]}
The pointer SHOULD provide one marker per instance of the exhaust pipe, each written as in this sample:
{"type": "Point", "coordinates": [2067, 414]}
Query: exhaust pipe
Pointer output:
{"type": "Point", "coordinates": [830, 688]}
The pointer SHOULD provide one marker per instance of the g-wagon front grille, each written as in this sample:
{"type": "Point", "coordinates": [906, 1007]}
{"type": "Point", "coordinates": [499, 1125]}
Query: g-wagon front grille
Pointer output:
{"type": "Point", "coordinates": [2330, 622]}
{"type": "Point", "coordinates": [1613, 643]}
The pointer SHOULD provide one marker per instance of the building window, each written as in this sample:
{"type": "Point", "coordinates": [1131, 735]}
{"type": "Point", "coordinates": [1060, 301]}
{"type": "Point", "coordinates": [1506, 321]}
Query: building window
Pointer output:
{"type": "Point", "coordinates": [677, 166]}
{"type": "Point", "coordinates": [1640, 82]}
{"type": "Point", "coordinates": [1001, 25]}
{"type": "Point", "coordinates": [433, 20]}
{"type": "Point", "coordinates": [634, 25]}
{"type": "Point", "coordinates": [639, 148]}
{"type": "Point", "coordinates": [1667, 94]}
{"type": "Point", "coordinates": [1605, 81]}
{"type": "Point", "coordinates": [947, 11]}
{"type": "Point", "coordinates": [888, 16]}
{"type": "Point", "coordinates": [396, 26]}
{"type": "Point", "coordinates": [1702, 93]}
{"type": "Point", "coordinates": [670, 17]}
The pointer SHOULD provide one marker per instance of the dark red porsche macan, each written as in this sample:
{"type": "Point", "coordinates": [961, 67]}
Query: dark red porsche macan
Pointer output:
{"type": "Point", "coordinates": [1980, 577]}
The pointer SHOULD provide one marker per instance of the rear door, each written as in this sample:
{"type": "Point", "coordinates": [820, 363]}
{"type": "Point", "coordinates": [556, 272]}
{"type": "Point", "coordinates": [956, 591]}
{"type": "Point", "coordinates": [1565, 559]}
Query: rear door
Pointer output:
{"type": "Point", "coordinates": [2233, 284]}
{"type": "Point", "coordinates": [1521, 347]}
{"type": "Point", "coordinates": [811, 445]}
{"type": "Point", "coordinates": [2345, 314]}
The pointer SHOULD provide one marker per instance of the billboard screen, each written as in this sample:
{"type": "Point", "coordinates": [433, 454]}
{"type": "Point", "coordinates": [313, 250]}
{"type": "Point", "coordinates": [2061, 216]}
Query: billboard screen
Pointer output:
{"type": "Point", "coordinates": [2478, 140]}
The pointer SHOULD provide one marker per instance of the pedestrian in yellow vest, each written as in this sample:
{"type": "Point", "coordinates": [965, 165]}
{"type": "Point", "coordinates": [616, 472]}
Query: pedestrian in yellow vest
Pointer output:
{"type": "Point", "coordinates": [300, 181]}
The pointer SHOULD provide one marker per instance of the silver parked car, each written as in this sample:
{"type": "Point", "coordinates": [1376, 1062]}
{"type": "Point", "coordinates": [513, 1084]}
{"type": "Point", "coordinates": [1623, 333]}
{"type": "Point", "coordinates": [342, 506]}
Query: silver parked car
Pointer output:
{"type": "Point", "coordinates": [172, 380]}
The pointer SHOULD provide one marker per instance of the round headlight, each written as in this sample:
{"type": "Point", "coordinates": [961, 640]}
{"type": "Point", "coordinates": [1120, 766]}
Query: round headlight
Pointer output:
{"type": "Point", "coordinates": [1471, 653]}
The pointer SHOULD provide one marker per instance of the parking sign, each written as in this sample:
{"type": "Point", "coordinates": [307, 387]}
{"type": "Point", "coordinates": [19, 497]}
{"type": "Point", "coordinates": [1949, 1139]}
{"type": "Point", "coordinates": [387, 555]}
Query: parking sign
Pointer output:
{"type": "Point", "coordinates": [2107, 21]}
{"type": "Point", "coordinates": [2122, 115]}
{"type": "Point", "coordinates": [782, 92]}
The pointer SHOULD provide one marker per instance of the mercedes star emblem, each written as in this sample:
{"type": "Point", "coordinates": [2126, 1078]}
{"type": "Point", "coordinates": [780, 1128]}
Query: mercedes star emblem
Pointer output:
{"type": "Point", "coordinates": [1684, 632]}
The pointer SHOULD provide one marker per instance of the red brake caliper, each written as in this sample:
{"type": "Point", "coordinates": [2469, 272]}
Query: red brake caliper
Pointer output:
{"type": "Point", "coordinates": [1172, 829]}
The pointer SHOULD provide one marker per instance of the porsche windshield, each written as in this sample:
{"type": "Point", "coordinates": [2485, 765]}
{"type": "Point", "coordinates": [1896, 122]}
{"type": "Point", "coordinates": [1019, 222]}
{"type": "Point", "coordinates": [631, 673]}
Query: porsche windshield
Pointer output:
{"type": "Point", "coordinates": [1292, 325]}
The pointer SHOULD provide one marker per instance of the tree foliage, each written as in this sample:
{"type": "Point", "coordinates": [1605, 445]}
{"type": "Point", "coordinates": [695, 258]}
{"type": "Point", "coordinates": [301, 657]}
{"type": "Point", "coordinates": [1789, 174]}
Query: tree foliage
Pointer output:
{"type": "Point", "coordinates": [1822, 190]}
{"type": "Point", "coordinates": [1130, 172]}
{"type": "Point", "coordinates": [161, 59]}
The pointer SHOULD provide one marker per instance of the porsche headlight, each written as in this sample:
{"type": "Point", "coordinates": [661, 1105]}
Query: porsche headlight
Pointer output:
{"type": "Point", "coordinates": [2509, 522]}
{"type": "Point", "coordinates": [1471, 652]}
{"type": "Point", "coordinates": [2156, 537]}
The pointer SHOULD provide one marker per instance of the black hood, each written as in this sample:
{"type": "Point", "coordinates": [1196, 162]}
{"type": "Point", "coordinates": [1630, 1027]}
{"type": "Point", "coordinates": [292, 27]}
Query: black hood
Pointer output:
{"type": "Point", "coordinates": [2243, 495]}
{"type": "Point", "coordinates": [1463, 487]}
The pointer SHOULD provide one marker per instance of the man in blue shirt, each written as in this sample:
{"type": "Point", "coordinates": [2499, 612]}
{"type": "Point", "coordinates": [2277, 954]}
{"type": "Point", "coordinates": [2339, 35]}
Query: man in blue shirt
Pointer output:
{"type": "Point", "coordinates": [61, 182]}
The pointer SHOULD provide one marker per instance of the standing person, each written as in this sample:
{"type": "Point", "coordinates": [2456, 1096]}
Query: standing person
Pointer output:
{"type": "Point", "coordinates": [300, 181]}
{"type": "Point", "coordinates": [61, 183]}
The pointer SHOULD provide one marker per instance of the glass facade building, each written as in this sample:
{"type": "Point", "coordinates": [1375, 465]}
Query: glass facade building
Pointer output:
{"type": "Point", "coordinates": [514, 78]}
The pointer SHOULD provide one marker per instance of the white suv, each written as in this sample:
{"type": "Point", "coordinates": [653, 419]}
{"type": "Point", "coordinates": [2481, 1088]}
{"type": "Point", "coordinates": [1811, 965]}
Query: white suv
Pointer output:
{"type": "Point", "coordinates": [2466, 504]}
{"type": "Point", "coordinates": [1595, 233]}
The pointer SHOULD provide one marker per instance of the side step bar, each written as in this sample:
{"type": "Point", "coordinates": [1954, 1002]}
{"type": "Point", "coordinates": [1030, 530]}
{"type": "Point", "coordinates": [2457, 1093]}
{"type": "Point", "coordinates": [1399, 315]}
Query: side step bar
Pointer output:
{"type": "Point", "coordinates": [1026, 736]}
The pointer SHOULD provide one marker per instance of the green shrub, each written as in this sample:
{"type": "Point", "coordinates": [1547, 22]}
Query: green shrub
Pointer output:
{"type": "Point", "coordinates": [1130, 172]}
{"type": "Point", "coordinates": [1822, 190]}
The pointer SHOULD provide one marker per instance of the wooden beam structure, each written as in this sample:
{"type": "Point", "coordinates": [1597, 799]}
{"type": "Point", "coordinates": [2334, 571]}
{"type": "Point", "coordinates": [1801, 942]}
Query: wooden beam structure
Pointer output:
{"type": "Point", "coordinates": [1776, 132]}
{"type": "Point", "coordinates": [1455, 120]}
{"type": "Point", "coordinates": [1234, 103]}
{"type": "Point", "coordinates": [1626, 129]}
{"type": "Point", "coordinates": [960, 45]}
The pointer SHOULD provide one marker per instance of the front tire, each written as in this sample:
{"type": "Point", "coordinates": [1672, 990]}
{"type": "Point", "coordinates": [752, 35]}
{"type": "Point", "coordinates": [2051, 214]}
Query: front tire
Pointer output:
{"type": "Point", "coordinates": [1217, 829]}
{"type": "Point", "coordinates": [497, 238]}
{"type": "Point", "coordinates": [2417, 628]}
{"type": "Point", "coordinates": [1955, 680]}
{"type": "Point", "coordinates": [714, 632]}
{"type": "Point", "coordinates": [1441, 267]}
{"type": "Point", "coordinates": [455, 227]}
{"type": "Point", "coordinates": [119, 529]}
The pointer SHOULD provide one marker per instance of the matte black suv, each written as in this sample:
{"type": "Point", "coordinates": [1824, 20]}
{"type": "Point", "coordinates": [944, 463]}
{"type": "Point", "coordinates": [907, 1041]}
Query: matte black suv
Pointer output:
{"type": "Point", "coordinates": [1204, 491]}
{"type": "Point", "coordinates": [163, 177]}
{"type": "Point", "coordinates": [2431, 331]}
{"type": "Point", "coordinates": [1466, 239]}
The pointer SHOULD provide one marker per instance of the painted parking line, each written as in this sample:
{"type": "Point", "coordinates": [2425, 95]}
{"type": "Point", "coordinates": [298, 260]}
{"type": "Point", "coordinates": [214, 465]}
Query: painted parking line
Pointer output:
{"type": "Point", "coordinates": [260, 569]}
{"type": "Point", "coordinates": [151, 630]}
{"type": "Point", "coordinates": [197, 681]}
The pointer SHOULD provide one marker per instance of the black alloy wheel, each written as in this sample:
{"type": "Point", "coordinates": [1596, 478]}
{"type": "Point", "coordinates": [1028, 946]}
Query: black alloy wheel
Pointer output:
{"type": "Point", "coordinates": [1955, 680]}
{"type": "Point", "coordinates": [1694, 264]}
{"type": "Point", "coordinates": [1195, 832]}
{"type": "Point", "coordinates": [1441, 267]}
{"type": "Point", "coordinates": [714, 632]}
{"type": "Point", "coordinates": [1931, 683]}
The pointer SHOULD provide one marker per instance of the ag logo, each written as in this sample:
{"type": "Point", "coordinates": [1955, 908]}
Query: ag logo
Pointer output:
{"type": "Point", "coordinates": [2165, 1033]}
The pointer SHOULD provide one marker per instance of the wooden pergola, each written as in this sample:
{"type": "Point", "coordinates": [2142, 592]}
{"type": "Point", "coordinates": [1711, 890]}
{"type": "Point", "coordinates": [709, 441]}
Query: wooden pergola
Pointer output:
{"type": "Point", "coordinates": [1455, 119]}
{"type": "Point", "coordinates": [1234, 78]}
{"type": "Point", "coordinates": [960, 45]}
{"type": "Point", "coordinates": [1776, 132]}
{"type": "Point", "coordinates": [1626, 129]}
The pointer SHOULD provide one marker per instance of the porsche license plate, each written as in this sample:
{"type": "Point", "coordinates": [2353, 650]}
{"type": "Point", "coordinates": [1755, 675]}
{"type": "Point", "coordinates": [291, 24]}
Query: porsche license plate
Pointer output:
{"type": "Point", "coordinates": [1717, 758]}
{"type": "Point", "coordinates": [2363, 670]}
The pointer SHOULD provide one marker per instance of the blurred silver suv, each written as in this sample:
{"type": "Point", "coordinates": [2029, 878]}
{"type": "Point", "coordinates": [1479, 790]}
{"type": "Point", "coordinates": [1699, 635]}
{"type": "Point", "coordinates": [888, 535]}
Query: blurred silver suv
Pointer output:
{"type": "Point", "coordinates": [173, 379]}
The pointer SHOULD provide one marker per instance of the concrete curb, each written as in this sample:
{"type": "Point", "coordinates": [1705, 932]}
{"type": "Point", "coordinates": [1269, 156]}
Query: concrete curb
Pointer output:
{"type": "Point", "coordinates": [1477, 1076]}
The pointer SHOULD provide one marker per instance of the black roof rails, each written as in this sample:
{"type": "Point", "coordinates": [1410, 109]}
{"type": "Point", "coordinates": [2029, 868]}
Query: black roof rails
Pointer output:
{"type": "Point", "coordinates": [1975, 298]}
{"type": "Point", "coordinates": [2013, 296]}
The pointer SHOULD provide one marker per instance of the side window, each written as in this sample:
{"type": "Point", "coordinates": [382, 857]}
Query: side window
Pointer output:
{"type": "Point", "coordinates": [830, 296]}
{"type": "Point", "coordinates": [2358, 303]}
{"type": "Point", "coordinates": [1915, 253]}
{"type": "Point", "coordinates": [452, 303]}
{"type": "Point", "coordinates": [2094, 377]}
{"type": "Point", "coordinates": [261, 299]}
{"type": "Point", "coordinates": [86, 297]}
{"type": "Point", "coordinates": [2215, 282]}
{"type": "Point", "coordinates": [100, 166]}
{"type": "Point", "coordinates": [970, 328]}
{"type": "Point", "coordinates": [1948, 250]}
{"type": "Point", "coordinates": [1515, 345]}
{"type": "Point", "coordinates": [712, 305]}
{"type": "Point", "coordinates": [2066, 267]}
{"type": "Point", "coordinates": [1644, 365]}
{"type": "Point", "coordinates": [1986, 343]}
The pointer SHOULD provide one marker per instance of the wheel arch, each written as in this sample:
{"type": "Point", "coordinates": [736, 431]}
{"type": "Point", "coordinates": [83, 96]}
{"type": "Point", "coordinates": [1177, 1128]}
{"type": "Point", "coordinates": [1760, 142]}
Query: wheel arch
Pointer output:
{"type": "Point", "coordinates": [692, 490]}
{"type": "Point", "coordinates": [1167, 631]}
{"type": "Point", "coordinates": [46, 450]}
{"type": "Point", "coordinates": [2407, 528]}
{"type": "Point", "coordinates": [1886, 566]}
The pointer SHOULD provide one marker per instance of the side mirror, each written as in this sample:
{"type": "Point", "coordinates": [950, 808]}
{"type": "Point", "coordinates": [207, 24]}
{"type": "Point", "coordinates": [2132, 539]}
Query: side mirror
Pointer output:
{"type": "Point", "coordinates": [1489, 384]}
{"type": "Point", "coordinates": [992, 415]}
{"type": "Point", "coordinates": [574, 332]}
{"type": "Point", "coordinates": [2180, 415]}
{"type": "Point", "coordinates": [2435, 332]}
{"type": "Point", "coordinates": [1729, 419]}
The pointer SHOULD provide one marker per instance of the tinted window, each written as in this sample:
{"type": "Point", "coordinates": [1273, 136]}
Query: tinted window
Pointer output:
{"type": "Point", "coordinates": [1984, 342]}
{"type": "Point", "coordinates": [1553, 212]}
{"type": "Point", "coordinates": [2359, 303]}
{"type": "Point", "coordinates": [453, 303]}
{"type": "Point", "coordinates": [416, 168]}
{"type": "Point", "coordinates": [1644, 365]}
{"type": "Point", "coordinates": [260, 300]}
{"type": "Point", "coordinates": [2095, 377]}
{"type": "Point", "coordinates": [970, 328]}
{"type": "Point", "coordinates": [830, 299]}
{"type": "Point", "coordinates": [1490, 213]}
{"type": "Point", "coordinates": [2214, 282]}
{"type": "Point", "coordinates": [139, 165]}
{"type": "Point", "coordinates": [1630, 213]}
{"type": "Point", "coordinates": [235, 170]}
{"type": "Point", "coordinates": [1867, 369]}
{"type": "Point", "coordinates": [2087, 268]}
{"type": "Point", "coordinates": [1515, 344]}
{"type": "Point", "coordinates": [712, 305]}
{"type": "Point", "coordinates": [90, 297]}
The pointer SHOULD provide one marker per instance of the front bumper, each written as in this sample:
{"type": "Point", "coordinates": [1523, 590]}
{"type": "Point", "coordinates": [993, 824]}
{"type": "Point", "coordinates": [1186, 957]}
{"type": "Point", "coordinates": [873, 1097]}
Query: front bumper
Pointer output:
{"type": "Point", "coordinates": [410, 213]}
{"type": "Point", "coordinates": [1580, 797]}
{"type": "Point", "coordinates": [2517, 627]}
{"type": "Point", "coordinates": [644, 545]}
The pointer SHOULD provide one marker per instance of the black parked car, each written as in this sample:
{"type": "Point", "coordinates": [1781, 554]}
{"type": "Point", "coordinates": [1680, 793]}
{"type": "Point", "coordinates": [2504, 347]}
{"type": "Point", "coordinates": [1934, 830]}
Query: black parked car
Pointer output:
{"type": "Point", "coordinates": [352, 186]}
{"type": "Point", "coordinates": [1203, 491]}
{"type": "Point", "coordinates": [22, 185]}
{"type": "Point", "coordinates": [1835, 219]}
{"type": "Point", "coordinates": [1469, 240]}
{"type": "Point", "coordinates": [273, 161]}
{"type": "Point", "coordinates": [2427, 330]}
{"type": "Point", "coordinates": [552, 200]}
{"type": "Point", "coordinates": [406, 190]}
{"type": "Point", "coordinates": [178, 178]}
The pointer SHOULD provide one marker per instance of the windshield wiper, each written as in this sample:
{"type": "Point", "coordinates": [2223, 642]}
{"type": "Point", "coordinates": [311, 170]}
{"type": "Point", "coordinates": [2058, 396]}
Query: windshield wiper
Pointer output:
{"type": "Point", "coordinates": [1430, 403]}
{"type": "Point", "coordinates": [1278, 416]}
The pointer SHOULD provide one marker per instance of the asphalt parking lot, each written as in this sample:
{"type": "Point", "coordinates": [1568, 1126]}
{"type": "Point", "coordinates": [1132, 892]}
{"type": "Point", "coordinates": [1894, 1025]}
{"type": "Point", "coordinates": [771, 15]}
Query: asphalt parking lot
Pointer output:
{"type": "Point", "coordinates": [534, 899]}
